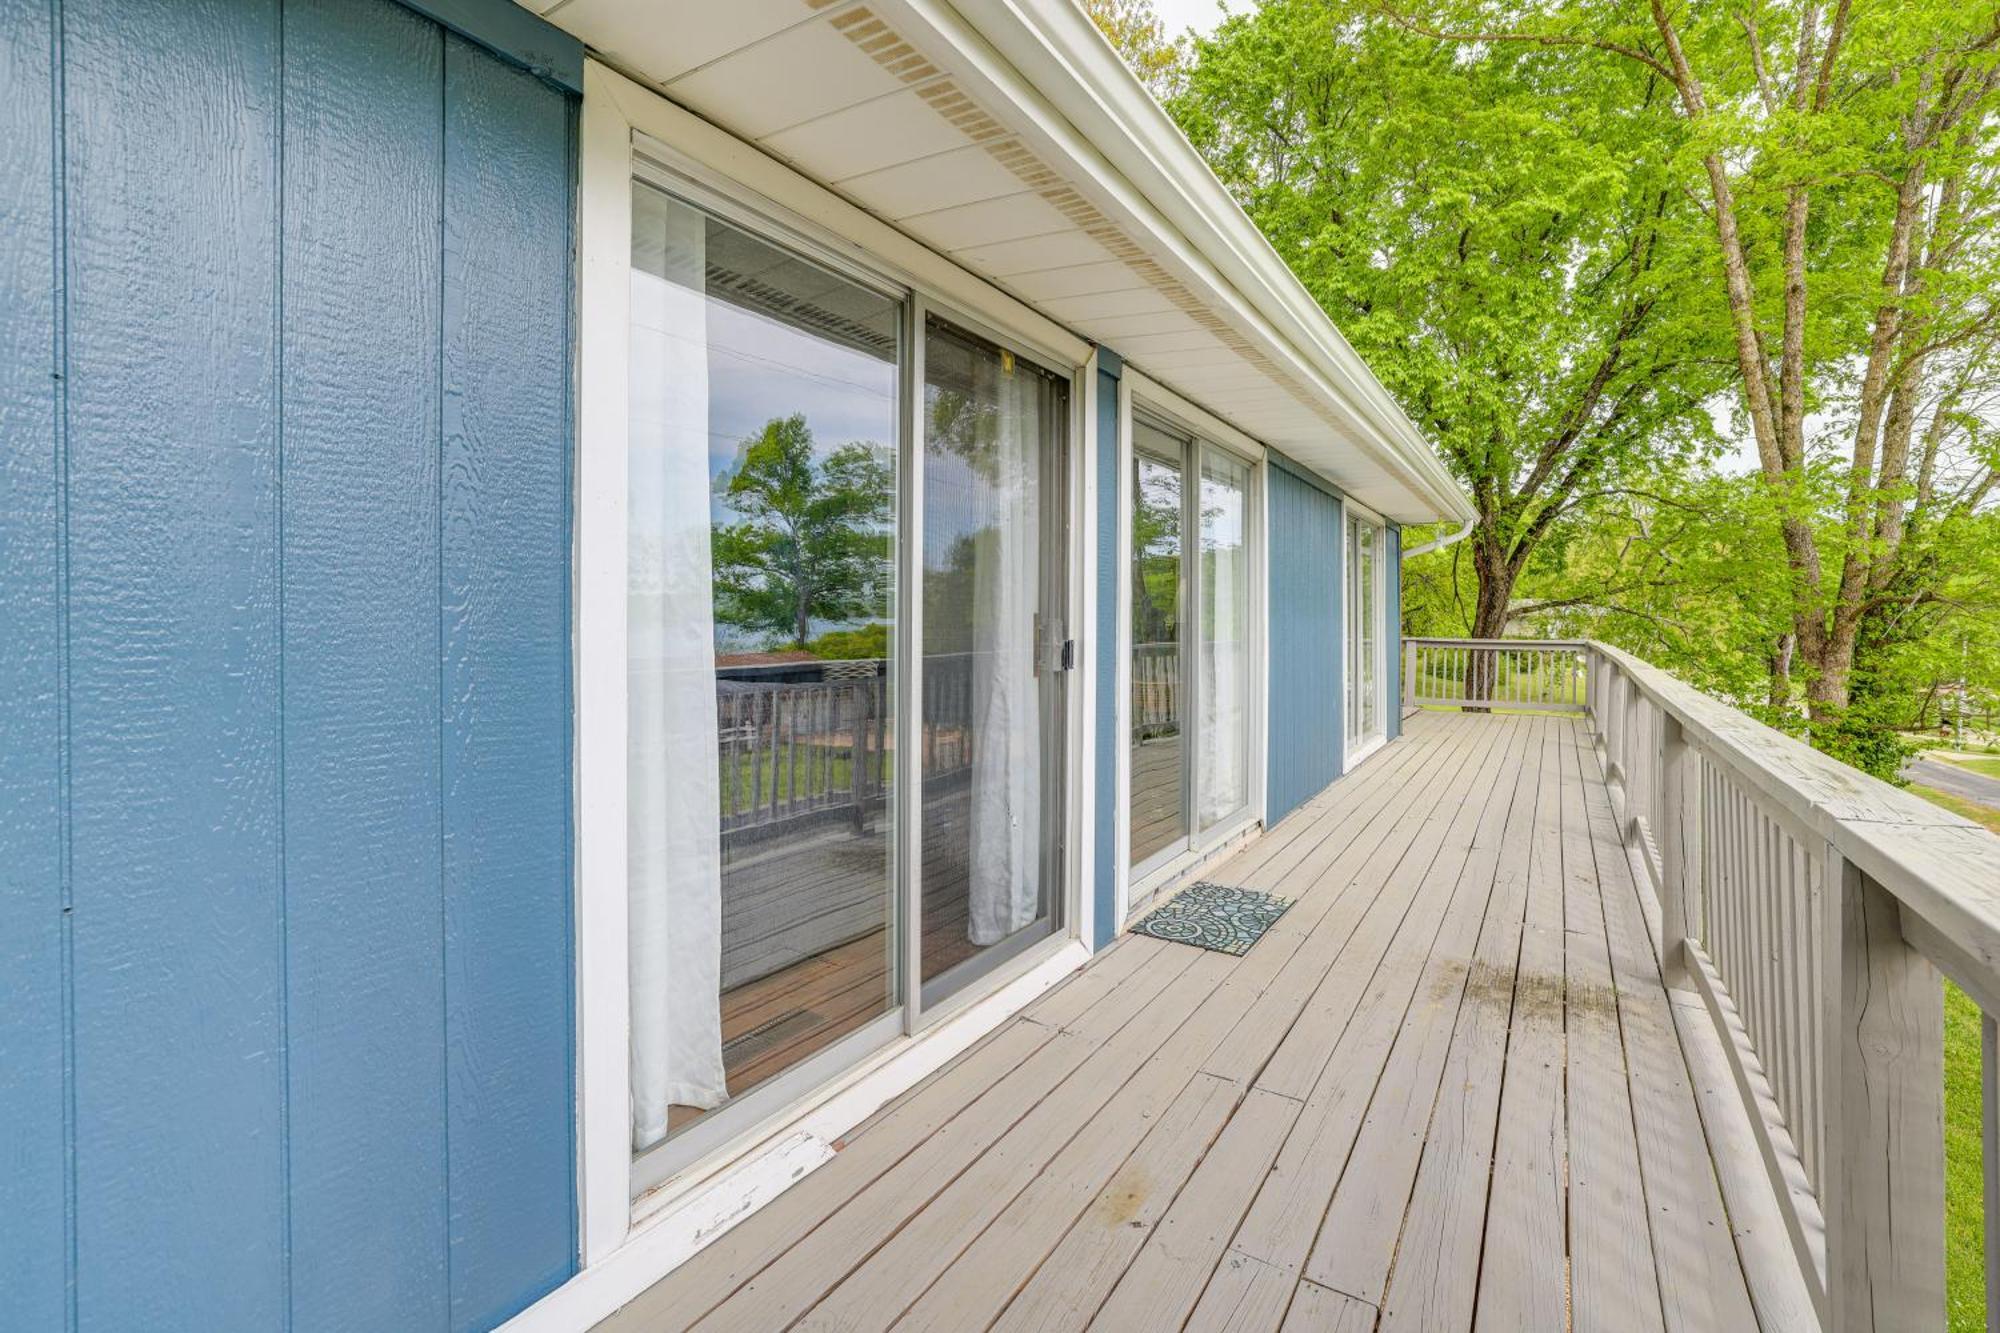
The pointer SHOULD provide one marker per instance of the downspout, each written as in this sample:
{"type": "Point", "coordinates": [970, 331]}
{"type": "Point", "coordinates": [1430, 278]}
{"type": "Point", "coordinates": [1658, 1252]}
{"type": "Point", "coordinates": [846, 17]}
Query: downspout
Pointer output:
{"type": "Point", "coordinates": [1438, 544]}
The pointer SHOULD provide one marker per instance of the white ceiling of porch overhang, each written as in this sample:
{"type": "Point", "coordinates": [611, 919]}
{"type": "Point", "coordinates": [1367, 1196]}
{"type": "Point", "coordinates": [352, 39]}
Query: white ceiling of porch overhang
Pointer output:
{"type": "Point", "coordinates": [919, 125]}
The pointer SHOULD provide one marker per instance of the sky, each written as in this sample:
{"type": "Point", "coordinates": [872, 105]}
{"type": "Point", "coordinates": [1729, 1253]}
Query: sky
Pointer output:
{"type": "Point", "coordinates": [1201, 15]}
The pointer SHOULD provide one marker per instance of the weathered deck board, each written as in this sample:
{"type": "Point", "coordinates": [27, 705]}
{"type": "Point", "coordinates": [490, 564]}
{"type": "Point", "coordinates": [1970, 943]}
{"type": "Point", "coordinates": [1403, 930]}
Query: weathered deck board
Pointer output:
{"type": "Point", "coordinates": [1611, 1260]}
{"type": "Point", "coordinates": [1444, 1090]}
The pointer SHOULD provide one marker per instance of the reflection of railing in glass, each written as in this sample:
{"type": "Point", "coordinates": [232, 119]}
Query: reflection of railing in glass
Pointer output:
{"type": "Point", "coordinates": [796, 751]}
{"type": "Point", "coordinates": [1156, 690]}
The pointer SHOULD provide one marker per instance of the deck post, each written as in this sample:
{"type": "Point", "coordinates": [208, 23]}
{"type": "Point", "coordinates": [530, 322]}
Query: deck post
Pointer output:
{"type": "Point", "coordinates": [1882, 1186]}
{"type": "Point", "coordinates": [1672, 834]}
{"type": "Point", "coordinates": [1409, 675]}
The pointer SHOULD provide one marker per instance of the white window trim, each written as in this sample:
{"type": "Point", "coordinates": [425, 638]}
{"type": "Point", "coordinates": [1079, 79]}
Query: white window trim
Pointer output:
{"type": "Point", "coordinates": [625, 1244]}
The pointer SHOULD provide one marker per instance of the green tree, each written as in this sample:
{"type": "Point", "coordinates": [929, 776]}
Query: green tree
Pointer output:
{"type": "Point", "coordinates": [1499, 233]}
{"type": "Point", "coordinates": [813, 543]}
{"type": "Point", "coordinates": [1137, 34]}
{"type": "Point", "coordinates": [1848, 168]}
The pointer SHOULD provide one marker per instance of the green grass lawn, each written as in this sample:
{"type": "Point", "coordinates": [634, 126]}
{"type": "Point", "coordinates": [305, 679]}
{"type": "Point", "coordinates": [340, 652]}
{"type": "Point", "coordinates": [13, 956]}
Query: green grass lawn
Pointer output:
{"type": "Point", "coordinates": [1988, 765]}
{"type": "Point", "coordinates": [1964, 1220]}
{"type": "Point", "coordinates": [817, 773]}
{"type": "Point", "coordinates": [1958, 805]}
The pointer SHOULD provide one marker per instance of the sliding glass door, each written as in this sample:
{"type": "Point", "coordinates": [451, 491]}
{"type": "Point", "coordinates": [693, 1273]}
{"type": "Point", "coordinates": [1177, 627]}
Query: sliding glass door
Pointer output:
{"type": "Point", "coordinates": [1222, 774]}
{"type": "Point", "coordinates": [1189, 705]}
{"type": "Point", "coordinates": [995, 654]}
{"type": "Point", "coordinates": [1364, 634]}
{"type": "Point", "coordinates": [789, 905]}
{"type": "Point", "coordinates": [762, 480]}
{"type": "Point", "coordinates": [1158, 755]}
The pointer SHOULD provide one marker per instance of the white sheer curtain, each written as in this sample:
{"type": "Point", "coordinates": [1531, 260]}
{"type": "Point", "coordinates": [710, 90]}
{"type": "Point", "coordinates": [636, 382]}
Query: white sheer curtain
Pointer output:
{"type": "Point", "coordinates": [674, 855]}
{"type": "Point", "coordinates": [1224, 737]}
{"type": "Point", "coordinates": [1006, 750]}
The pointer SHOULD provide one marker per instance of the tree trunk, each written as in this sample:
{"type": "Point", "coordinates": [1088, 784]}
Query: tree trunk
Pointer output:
{"type": "Point", "coordinates": [1496, 574]}
{"type": "Point", "coordinates": [1781, 672]}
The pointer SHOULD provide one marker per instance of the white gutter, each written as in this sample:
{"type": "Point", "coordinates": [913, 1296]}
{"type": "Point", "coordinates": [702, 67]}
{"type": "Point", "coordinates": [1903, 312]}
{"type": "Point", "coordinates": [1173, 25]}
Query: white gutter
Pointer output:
{"type": "Point", "coordinates": [1439, 543]}
{"type": "Point", "coordinates": [1069, 63]}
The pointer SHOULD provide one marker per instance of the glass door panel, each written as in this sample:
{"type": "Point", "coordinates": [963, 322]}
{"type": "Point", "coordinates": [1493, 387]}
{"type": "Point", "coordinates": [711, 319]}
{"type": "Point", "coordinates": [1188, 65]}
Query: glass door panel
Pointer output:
{"type": "Point", "coordinates": [1222, 770]}
{"type": "Point", "coordinates": [1371, 635]}
{"type": "Point", "coordinates": [1363, 632]}
{"type": "Point", "coordinates": [995, 656]}
{"type": "Point", "coordinates": [764, 415]}
{"type": "Point", "coordinates": [1159, 795]}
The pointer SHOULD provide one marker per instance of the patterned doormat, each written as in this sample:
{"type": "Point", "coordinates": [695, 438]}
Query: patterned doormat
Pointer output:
{"type": "Point", "coordinates": [1215, 916]}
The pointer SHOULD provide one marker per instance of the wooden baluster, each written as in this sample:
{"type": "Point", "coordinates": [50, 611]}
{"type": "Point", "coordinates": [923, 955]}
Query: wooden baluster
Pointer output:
{"type": "Point", "coordinates": [755, 739]}
{"type": "Point", "coordinates": [1672, 835]}
{"type": "Point", "coordinates": [1883, 1171]}
{"type": "Point", "coordinates": [858, 711]}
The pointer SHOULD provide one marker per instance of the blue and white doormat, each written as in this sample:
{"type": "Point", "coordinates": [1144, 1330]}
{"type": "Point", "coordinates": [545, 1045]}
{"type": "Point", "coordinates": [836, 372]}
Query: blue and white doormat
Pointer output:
{"type": "Point", "coordinates": [1215, 916]}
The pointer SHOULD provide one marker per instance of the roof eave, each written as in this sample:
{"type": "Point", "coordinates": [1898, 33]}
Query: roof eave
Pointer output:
{"type": "Point", "coordinates": [1064, 61]}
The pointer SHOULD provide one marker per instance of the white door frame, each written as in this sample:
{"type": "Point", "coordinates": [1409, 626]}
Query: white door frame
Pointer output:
{"type": "Point", "coordinates": [623, 1243]}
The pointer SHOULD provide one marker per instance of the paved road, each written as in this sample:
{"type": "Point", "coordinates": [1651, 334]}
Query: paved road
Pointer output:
{"type": "Point", "coordinates": [1949, 777]}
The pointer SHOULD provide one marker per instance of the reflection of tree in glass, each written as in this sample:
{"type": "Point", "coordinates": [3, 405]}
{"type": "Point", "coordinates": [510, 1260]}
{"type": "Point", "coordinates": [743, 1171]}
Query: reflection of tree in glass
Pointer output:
{"type": "Point", "coordinates": [965, 425]}
{"type": "Point", "coordinates": [1156, 548]}
{"type": "Point", "coordinates": [814, 540]}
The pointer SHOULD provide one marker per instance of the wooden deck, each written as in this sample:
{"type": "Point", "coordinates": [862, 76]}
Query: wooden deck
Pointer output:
{"type": "Point", "coordinates": [1445, 1089]}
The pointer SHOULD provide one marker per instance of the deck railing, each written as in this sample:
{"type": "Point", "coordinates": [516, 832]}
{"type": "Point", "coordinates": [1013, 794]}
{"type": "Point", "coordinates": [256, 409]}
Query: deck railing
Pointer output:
{"type": "Point", "coordinates": [1156, 690]}
{"type": "Point", "coordinates": [812, 741]}
{"type": "Point", "coordinates": [1812, 908]}
{"type": "Point", "coordinates": [1530, 675]}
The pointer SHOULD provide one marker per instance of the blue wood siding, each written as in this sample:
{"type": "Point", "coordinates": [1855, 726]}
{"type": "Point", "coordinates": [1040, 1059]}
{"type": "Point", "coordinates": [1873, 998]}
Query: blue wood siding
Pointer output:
{"type": "Point", "coordinates": [1393, 629]}
{"type": "Point", "coordinates": [285, 1000]}
{"type": "Point", "coordinates": [1306, 721]}
{"type": "Point", "coordinates": [1112, 566]}
{"type": "Point", "coordinates": [34, 891]}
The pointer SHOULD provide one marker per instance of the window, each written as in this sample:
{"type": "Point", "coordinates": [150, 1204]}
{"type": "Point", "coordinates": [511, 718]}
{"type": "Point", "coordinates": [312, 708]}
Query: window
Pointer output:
{"type": "Point", "coordinates": [1189, 741]}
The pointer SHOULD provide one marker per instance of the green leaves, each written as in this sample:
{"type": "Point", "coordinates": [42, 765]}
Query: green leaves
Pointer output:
{"type": "Point", "coordinates": [1494, 227]}
{"type": "Point", "coordinates": [813, 544]}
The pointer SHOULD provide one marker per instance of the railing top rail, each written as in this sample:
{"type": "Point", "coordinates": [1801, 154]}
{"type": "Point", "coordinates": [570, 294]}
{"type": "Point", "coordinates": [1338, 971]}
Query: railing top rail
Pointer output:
{"type": "Point", "coordinates": [1942, 868]}
{"type": "Point", "coordinates": [1577, 644]}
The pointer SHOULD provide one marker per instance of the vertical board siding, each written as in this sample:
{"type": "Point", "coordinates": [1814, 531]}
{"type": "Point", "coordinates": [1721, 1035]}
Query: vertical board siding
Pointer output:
{"type": "Point", "coordinates": [1306, 660]}
{"type": "Point", "coordinates": [33, 1171]}
{"type": "Point", "coordinates": [1392, 631]}
{"type": "Point", "coordinates": [365, 1008]}
{"type": "Point", "coordinates": [505, 615]}
{"type": "Point", "coordinates": [171, 198]}
{"type": "Point", "coordinates": [1112, 566]}
{"type": "Point", "coordinates": [285, 997]}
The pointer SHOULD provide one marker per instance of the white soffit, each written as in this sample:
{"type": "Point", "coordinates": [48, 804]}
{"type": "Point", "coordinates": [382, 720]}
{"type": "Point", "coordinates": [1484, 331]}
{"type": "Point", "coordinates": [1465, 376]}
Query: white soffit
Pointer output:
{"type": "Point", "coordinates": [1007, 136]}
